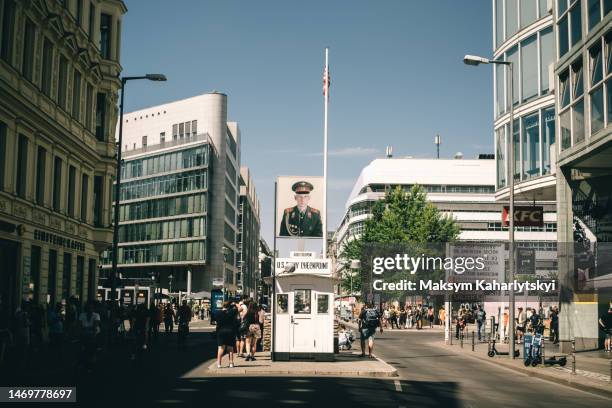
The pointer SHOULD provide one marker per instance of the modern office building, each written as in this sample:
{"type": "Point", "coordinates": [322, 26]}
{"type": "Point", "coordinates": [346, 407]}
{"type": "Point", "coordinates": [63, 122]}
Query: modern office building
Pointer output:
{"type": "Point", "coordinates": [179, 195]}
{"type": "Point", "coordinates": [523, 34]}
{"type": "Point", "coordinates": [59, 70]}
{"type": "Point", "coordinates": [583, 74]}
{"type": "Point", "coordinates": [462, 189]}
{"type": "Point", "coordinates": [248, 236]}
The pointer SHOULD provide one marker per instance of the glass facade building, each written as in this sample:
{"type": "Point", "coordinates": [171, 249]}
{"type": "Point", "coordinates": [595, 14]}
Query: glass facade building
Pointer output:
{"type": "Point", "coordinates": [163, 211]}
{"type": "Point", "coordinates": [523, 34]}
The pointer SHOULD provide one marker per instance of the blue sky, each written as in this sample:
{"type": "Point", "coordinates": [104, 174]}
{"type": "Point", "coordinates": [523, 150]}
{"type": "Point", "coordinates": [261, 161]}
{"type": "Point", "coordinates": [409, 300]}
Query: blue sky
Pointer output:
{"type": "Point", "coordinates": [396, 68]}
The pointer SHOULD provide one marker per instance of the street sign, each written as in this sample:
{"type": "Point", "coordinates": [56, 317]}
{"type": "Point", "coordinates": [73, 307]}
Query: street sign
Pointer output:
{"type": "Point", "coordinates": [524, 216]}
{"type": "Point", "coordinates": [303, 265]}
{"type": "Point", "coordinates": [525, 261]}
{"type": "Point", "coordinates": [302, 254]}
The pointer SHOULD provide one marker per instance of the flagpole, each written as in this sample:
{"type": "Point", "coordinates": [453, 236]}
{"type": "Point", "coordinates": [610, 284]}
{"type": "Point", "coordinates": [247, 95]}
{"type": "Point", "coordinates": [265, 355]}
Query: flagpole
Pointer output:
{"type": "Point", "coordinates": [326, 101]}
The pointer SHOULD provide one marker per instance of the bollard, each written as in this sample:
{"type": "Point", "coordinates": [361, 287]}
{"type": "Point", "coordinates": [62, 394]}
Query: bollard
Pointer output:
{"type": "Point", "coordinates": [573, 356]}
{"type": "Point", "coordinates": [543, 356]}
{"type": "Point", "coordinates": [472, 340]}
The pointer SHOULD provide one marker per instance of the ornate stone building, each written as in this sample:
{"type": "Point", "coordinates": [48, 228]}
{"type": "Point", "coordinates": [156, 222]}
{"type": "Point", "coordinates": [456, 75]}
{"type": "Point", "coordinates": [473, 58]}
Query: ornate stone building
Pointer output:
{"type": "Point", "coordinates": [59, 82]}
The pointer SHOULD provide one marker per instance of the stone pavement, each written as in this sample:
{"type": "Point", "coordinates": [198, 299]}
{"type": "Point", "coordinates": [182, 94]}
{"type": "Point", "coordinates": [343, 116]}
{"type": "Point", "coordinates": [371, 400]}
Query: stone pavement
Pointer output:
{"type": "Point", "coordinates": [347, 364]}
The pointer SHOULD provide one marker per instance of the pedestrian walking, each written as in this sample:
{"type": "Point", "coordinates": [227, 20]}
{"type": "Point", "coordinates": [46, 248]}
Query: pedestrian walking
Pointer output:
{"type": "Point", "coordinates": [169, 317]}
{"type": "Point", "coordinates": [481, 319]}
{"type": "Point", "coordinates": [226, 332]}
{"type": "Point", "coordinates": [430, 316]}
{"type": "Point", "coordinates": [402, 319]}
{"type": "Point", "coordinates": [89, 328]}
{"type": "Point", "coordinates": [242, 326]}
{"type": "Point", "coordinates": [605, 323]}
{"type": "Point", "coordinates": [369, 320]}
{"type": "Point", "coordinates": [184, 317]}
{"type": "Point", "coordinates": [139, 325]}
{"type": "Point", "coordinates": [441, 316]}
{"type": "Point", "coordinates": [254, 331]}
{"type": "Point", "coordinates": [521, 323]}
{"type": "Point", "coordinates": [56, 330]}
{"type": "Point", "coordinates": [554, 326]}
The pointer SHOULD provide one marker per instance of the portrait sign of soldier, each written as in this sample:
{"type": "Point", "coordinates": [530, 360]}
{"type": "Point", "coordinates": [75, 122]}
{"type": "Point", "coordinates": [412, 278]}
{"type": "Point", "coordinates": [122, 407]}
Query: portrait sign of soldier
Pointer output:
{"type": "Point", "coordinates": [301, 220]}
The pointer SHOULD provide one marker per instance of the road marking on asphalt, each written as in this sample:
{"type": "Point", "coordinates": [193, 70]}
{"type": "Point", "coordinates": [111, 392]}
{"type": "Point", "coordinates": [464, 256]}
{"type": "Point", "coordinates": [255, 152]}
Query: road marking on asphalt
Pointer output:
{"type": "Point", "coordinates": [398, 385]}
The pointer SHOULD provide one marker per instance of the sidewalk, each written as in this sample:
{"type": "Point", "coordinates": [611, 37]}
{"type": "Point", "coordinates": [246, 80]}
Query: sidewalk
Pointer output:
{"type": "Point", "coordinates": [592, 368]}
{"type": "Point", "coordinates": [347, 364]}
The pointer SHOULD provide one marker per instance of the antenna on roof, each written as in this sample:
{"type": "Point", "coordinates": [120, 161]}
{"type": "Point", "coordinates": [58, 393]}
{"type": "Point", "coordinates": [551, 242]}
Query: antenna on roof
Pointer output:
{"type": "Point", "coordinates": [437, 141]}
{"type": "Point", "coordinates": [389, 152]}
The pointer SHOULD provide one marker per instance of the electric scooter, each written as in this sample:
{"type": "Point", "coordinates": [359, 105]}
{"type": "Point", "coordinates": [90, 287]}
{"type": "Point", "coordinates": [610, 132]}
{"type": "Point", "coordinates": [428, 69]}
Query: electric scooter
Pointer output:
{"type": "Point", "coordinates": [534, 354]}
{"type": "Point", "coordinates": [562, 361]}
{"type": "Point", "coordinates": [493, 351]}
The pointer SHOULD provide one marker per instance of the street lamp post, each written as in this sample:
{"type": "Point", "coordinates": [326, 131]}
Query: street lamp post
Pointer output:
{"type": "Point", "coordinates": [474, 60]}
{"type": "Point", "coordinates": [113, 274]}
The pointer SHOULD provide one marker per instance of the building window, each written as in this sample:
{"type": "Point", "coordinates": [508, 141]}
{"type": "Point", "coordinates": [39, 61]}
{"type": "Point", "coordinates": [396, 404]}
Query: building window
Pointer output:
{"type": "Point", "coordinates": [79, 16]}
{"type": "Point", "coordinates": [529, 12]}
{"type": "Point", "coordinates": [194, 127]}
{"type": "Point", "coordinates": [594, 8]}
{"type": "Point", "coordinates": [80, 271]}
{"type": "Point", "coordinates": [174, 131]}
{"type": "Point", "coordinates": [92, 16]}
{"type": "Point", "coordinates": [29, 34]}
{"type": "Point", "coordinates": [511, 17]}
{"type": "Point", "coordinates": [8, 31]}
{"type": "Point", "coordinates": [513, 57]}
{"type": "Point", "coordinates": [162, 137]}
{"type": "Point", "coordinates": [500, 89]}
{"type": "Point", "coordinates": [47, 67]}
{"type": "Point", "coordinates": [71, 190]}
{"type": "Point", "coordinates": [22, 167]}
{"type": "Point", "coordinates": [569, 24]}
{"type": "Point", "coordinates": [67, 276]}
{"type": "Point", "coordinates": [76, 96]}
{"type": "Point", "coordinates": [84, 197]}
{"type": "Point", "coordinates": [547, 53]}
{"type": "Point", "coordinates": [98, 190]}
{"type": "Point", "coordinates": [531, 146]}
{"type": "Point", "coordinates": [548, 138]}
{"type": "Point", "coordinates": [598, 64]}
{"type": "Point", "coordinates": [101, 116]}
{"type": "Point", "coordinates": [144, 141]}
{"type": "Point", "coordinates": [187, 129]}
{"type": "Point", "coordinates": [57, 183]}
{"type": "Point", "coordinates": [3, 131]}
{"type": "Point", "coordinates": [181, 130]}
{"type": "Point", "coordinates": [63, 82]}
{"type": "Point", "coordinates": [529, 68]}
{"type": "Point", "coordinates": [40, 175]}
{"type": "Point", "coordinates": [88, 106]}
{"type": "Point", "coordinates": [105, 35]}
{"type": "Point", "coordinates": [52, 276]}
{"type": "Point", "coordinates": [92, 286]}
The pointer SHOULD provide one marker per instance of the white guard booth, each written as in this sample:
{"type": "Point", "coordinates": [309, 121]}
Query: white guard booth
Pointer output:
{"type": "Point", "coordinates": [303, 326]}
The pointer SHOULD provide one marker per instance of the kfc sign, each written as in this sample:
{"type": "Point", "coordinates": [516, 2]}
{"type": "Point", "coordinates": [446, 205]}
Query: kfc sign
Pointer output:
{"type": "Point", "coordinates": [524, 216]}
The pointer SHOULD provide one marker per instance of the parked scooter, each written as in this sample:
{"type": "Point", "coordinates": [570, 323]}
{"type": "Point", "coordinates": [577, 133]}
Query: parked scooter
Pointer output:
{"type": "Point", "coordinates": [534, 356]}
{"type": "Point", "coordinates": [562, 361]}
{"type": "Point", "coordinates": [493, 351]}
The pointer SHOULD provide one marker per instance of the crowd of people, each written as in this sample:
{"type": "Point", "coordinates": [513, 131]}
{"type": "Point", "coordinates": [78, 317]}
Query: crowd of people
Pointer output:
{"type": "Point", "coordinates": [410, 316]}
{"type": "Point", "coordinates": [92, 327]}
{"type": "Point", "coordinates": [239, 330]}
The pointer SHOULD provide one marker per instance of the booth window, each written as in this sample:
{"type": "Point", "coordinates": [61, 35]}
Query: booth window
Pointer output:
{"type": "Point", "coordinates": [282, 301]}
{"type": "Point", "coordinates": [322, 304]}
{"type": "Point", "coordinates": [301, 301]}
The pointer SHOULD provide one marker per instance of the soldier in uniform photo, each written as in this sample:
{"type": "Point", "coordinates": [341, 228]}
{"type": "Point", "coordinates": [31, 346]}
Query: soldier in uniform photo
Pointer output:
{"type": "Point", "coordinates": [301, 220]}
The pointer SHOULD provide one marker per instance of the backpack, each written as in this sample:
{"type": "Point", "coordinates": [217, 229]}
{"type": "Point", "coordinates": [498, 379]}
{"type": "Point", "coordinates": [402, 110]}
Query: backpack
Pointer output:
{"type": "Point", "coordinates": [371, 318]}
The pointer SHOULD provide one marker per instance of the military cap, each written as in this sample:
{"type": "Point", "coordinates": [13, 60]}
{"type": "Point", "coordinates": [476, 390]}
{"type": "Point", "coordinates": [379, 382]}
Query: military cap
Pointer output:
{"type": "Point", "coordinates": [302, 187]}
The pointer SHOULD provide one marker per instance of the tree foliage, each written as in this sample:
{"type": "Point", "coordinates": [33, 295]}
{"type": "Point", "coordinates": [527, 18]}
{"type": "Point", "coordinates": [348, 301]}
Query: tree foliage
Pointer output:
{"type": "Point", "coordinates": [402, 221]}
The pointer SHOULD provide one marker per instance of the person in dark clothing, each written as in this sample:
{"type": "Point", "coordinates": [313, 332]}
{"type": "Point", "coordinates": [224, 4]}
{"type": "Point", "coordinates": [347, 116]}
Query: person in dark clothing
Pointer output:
{"type": "Point", "coordinates": [140, 325]}
{"type": "Point", "coordinates": [169, 317]}
{"type": "Point", "coordinates": [554, 325]}
{"type": "Point", "coordinates": [226, 332]}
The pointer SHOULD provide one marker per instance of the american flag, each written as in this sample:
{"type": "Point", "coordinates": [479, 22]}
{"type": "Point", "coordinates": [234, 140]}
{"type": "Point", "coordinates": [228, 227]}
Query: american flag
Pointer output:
{"type": "Point", "coordinates": [326, 82]}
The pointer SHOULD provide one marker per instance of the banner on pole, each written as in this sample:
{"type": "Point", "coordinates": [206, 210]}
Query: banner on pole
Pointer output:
{"type": "Point", "coordinates": [299, 206]}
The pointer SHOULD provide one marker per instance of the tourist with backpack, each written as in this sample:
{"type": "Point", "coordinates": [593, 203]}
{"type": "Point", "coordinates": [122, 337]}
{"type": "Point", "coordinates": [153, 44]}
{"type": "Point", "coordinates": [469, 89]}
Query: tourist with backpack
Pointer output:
{"type": "Point", "coordinates": [369, 320]}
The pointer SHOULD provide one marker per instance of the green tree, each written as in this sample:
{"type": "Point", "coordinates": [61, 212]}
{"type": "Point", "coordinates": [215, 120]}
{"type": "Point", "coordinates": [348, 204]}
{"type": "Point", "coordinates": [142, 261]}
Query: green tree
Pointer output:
{"type": "Point", "coordinates": [402, 222]}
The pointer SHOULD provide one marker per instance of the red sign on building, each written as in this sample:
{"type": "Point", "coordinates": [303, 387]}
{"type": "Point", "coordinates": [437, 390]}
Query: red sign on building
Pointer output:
{"type": "Point", "coordinates": [524, 216]}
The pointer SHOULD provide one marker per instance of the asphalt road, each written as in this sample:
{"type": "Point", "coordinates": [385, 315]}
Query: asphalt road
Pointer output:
{"type": "Point", "coordinates": [429, 378]}
{"type": "Point", "coordinates": [433, 375]}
